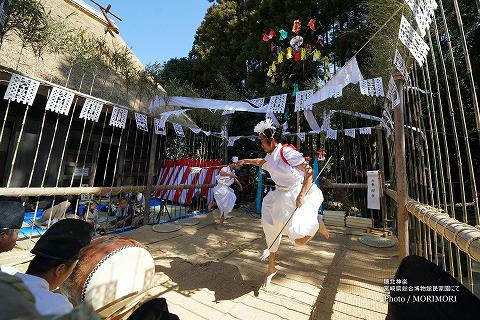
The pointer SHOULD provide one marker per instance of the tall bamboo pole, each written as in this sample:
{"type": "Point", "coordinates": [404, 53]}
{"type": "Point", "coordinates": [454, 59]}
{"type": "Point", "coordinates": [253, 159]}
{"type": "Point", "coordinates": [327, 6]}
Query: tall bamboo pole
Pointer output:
{"type": "Point", "coordinates": [400, 171]}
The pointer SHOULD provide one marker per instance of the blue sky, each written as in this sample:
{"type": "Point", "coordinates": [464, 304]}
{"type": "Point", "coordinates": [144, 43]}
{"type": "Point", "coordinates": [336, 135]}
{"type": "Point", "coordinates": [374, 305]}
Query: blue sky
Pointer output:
{"type": "Point", "coordinates": [158, 30]}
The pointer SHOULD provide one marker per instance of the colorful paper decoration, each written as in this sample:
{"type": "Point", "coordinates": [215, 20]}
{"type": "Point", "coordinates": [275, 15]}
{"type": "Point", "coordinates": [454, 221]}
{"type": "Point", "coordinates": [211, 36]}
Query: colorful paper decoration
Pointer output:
{"type": "Point", "coordinates": [22, 89]}
{"type": "Point", "coordinates": [274, 67]}
{"type": "Point", "coordinates": [415, 44]}
{"type": "Point", "coordinates": [270, 72]}
{"type": "Point", "coordinates": [272, 81]}
{"type": "Point", "coordinates": [178, 130]}
{"type": "Point", "coordinates": [142, 121]}
{"type": "Point", "coordinates": [91, 110]}
{"type": "Point", "coordinates": [284, 84]}
{"type": "Point", "coordinates": [296, 42]}
{"type": "Point", "coordinates": [60, 101]}
{"type": "Point", "coordinates": [296, 26]}
{"type": "Point", "coordinates": [295, 89]}
{"type": "Point", "coordinates": [283, 34]}
{"type": "Point", "coordinates": [277, 103]}
{"type": "Point", "coordinates": [372, 87]}
{"type": "Point", "coordinates": [303, 53]}
{"type": "Point", "coordinates": [300, 99]}
{"type": "Point", "coordinates": [319, 42]}
{"type": "Point", "coordinates": [309, 48]}
{"type": "Point", "coordinates": [297, 56]}
{"type": "Point", "coordinates": [289, 53]}
{"type": "Point", "coordinates": [271, 34]}
{"type": "Point", "coordinates": [316, 55]}
{"type": "Point", "coordinates": [265, 37]}
{"type": "Point", "coordinates": [311, 24]}
{"type": "Point", "coordinates": [280, 57]}
{"type": "Point", "coordinates": [118, 118]}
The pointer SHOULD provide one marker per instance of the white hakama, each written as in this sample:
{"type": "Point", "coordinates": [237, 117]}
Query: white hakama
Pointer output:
{"type": "Point", "coordinates": [280, 204]}
{"type": "Point", "coordinates": [223, 194]}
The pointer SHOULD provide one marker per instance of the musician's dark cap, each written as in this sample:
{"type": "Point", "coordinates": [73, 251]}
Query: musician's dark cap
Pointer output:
{"type": "Point", "coordinates": [11, 215]}
{"type": "Point", "coordinates": [64, 240]}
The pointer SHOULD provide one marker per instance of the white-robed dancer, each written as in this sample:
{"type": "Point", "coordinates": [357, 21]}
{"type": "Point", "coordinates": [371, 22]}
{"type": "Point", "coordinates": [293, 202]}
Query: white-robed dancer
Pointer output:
{"type": "Point", "coordinates": [294, 190]}
{"type": "Point", "coordinates": [223, 194]}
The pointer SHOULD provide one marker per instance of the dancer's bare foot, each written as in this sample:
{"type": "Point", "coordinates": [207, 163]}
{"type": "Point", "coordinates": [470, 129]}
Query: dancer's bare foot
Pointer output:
{"type": "Point", "coordinates": [268, 278]}
{"type": "Point", "coordinates": [323, 230]}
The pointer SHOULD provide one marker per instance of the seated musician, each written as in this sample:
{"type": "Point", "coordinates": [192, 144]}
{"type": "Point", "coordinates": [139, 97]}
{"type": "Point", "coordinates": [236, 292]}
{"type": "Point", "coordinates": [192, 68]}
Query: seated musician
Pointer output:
{"type": "Point", "coordinates": [123, 214]}
{"type": "Point", "coordinates": [56, 255]}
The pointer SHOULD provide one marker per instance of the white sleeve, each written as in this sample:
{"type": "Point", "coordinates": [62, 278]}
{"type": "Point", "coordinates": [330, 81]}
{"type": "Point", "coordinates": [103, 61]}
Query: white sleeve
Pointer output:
{"type": "Point", "coordinates": [293, 157]}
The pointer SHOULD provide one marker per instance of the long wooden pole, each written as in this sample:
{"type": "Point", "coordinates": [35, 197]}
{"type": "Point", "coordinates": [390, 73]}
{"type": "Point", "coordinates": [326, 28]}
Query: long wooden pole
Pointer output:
{"type": "Point", "coordinates": [400, 172]}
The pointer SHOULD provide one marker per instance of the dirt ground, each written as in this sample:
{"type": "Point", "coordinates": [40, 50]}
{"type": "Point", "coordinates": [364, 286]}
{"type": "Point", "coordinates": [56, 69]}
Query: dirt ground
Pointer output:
{"type": "Point", "coordinates": [209, 274]}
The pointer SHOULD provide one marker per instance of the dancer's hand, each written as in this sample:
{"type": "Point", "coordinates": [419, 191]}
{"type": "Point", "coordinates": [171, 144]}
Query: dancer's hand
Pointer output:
{"type": "Point", "coordinates": [300, 200]}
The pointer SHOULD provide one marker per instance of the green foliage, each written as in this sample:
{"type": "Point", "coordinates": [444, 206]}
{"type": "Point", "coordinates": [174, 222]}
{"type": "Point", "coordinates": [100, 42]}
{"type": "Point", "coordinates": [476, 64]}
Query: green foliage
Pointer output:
{"type": "Point", "coordinates": [28, 20]}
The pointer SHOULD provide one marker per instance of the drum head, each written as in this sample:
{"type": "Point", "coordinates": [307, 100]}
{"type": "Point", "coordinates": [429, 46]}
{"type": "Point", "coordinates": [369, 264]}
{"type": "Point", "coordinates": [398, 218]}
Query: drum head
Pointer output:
{"type": "Point", "coordinates": [109, 269]}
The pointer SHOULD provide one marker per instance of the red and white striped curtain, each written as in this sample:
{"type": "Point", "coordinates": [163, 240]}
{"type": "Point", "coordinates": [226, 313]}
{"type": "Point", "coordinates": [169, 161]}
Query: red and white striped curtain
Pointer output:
{"type": "Point", "coordinates": [176, 172]}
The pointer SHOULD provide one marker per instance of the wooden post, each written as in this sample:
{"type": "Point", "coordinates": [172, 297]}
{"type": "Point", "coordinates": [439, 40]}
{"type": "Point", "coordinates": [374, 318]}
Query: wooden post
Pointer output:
{"type": "Point", "coordinates": [381, 167]}
{"type": "Point", "coordinates": [401, 175]}
{"type": "Point", "coordinates": [151, 171]}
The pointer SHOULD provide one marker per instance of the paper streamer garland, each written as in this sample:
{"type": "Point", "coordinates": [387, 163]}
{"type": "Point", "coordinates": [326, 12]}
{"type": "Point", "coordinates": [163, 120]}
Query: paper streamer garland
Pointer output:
{"type": "Point", "coordinates": [372, 87]}
{"type": "Point", "coordinates": [393, 94]}
{"type": "Point", "coordinates": [301, 136]}
{"type": "Point", "coordinates": [259, 102]}
{"type": "Point", "coordinates": [91, 110]}
{"type": "Point", "coordinates": [399, 63]}
{"type": "Point", "coordinates": [350, 133]}
{"type": "Point", "coordinates": [159, 125]}
{"type": "Point", "coordinates": [332, 134]}
{"type": "Point", "coordinates": [423, 11]}
{"type": "Point", "coordinates": [277, 103]}
{"type": "Point", "coordinates": [366, 130]}
{"type": "Point", "coordinates": [142, 122]}
{"type": "Point", "coordinates": [178, 130]}
{"type": "Point", "coordinates": [232, 140]}
{"type": "Point", "coordinates": [60, 101]}
{"type": "Point", "coordinates": [410, 39]}
{"type": "Point", "coordinates": [118, 118]}
{"type": "Point", "coordinates": [196, 130]}
{"type": "Point", "coordinates": [22, 89]}
{"type": "Point", "coordinates": [300, 98]}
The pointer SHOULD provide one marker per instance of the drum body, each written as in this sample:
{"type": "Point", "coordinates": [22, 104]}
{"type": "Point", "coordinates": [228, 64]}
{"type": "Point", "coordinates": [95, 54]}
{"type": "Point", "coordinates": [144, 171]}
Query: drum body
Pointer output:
{"type": "Point", "coordinates": [109, 268]}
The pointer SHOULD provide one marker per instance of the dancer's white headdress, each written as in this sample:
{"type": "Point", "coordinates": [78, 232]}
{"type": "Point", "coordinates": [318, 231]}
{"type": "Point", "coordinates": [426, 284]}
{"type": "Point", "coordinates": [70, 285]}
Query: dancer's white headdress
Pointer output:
{"type": "Point", "coordinates": [264, 125]}
{"type": "Point", "coordinates": [234, 159]}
